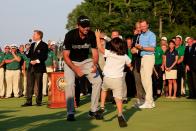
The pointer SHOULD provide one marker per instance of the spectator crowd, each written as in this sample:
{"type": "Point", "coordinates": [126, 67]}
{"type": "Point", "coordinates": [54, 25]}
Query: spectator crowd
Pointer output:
{"type": "Point", "coordinates": [170, 69]}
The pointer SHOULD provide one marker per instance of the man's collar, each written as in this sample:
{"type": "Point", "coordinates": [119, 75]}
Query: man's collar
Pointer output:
{"type": "Point", "coordinates": [145, 32]}
{"type": "Point", "coordinates": [37, 42]}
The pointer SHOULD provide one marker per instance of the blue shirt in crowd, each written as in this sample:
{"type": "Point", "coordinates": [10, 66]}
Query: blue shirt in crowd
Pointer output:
{"type": "Point", "coordinates": [147, 39]}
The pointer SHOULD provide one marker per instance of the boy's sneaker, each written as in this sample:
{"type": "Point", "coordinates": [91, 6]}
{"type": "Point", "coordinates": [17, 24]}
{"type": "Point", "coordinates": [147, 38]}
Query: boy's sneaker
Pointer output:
{"type": "Point", "coordinates": [71, 117]}
{"type": "Point", "coordinates": [122, 122]}
{"type": "Point", "coordinates": [95, 115]}
{"type": "Point", "coordinates": [101, 110]}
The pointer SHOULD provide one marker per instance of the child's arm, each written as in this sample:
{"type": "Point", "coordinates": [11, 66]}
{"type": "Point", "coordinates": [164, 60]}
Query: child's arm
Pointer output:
{"type": "Point", "coordinates": [98, 36]}
{"type": "Point", "coordinates": [130, 66]}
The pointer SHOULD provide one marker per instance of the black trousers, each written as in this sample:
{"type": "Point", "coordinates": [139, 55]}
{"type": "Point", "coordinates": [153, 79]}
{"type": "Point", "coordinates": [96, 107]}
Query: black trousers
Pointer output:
{"type": "Point", "coordinates": [180, 75]}
{"type": "Point", "coordinates": [191, 81]}
{"type": "Point", "coordinates": [157, 79]}
{"type": "Point", "coordinates": [130, 82]}
{"type": "Point", "coordinates": [34, 85]}
{"type": "Point", "coordinates": [82, 85]}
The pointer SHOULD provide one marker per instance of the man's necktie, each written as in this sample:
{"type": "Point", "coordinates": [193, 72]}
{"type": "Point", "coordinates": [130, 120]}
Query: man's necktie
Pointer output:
{"type": "Point", "coordinates": [35, 46]}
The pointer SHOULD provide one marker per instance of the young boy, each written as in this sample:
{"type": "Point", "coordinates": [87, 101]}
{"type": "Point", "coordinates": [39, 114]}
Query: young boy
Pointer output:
{"type": "Point", "coordinates": [116, 59]}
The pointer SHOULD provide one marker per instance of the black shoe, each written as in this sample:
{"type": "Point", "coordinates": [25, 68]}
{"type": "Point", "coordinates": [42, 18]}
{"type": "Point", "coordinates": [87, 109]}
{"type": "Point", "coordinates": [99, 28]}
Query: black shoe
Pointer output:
{"type": "Point", "coordinates": [26, 104]}
{"type": "Point", "coordinates": [71, 117]}
{"type": "Point", "coordinates": [125, 101]}
{"type": "Point", "coordinates": [113, 102]}
{"type": "Point", "coordinates": [122, 122]}
{"type": "Point", "coordinates": [77, 104]}
{"type": "Point", "coordinates": [95, 115]}
{"type": "Point", "coordinates": [38, 104]}
{"type": "Point", "coordinates": [191, 97]}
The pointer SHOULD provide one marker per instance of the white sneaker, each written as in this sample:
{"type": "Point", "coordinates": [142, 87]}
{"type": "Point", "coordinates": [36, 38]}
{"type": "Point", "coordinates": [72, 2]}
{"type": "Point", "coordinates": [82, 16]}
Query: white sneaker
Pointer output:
{"type": "Point", "coordinates": [138, 103]}
{"type": "Point", "coordinates": [146, 106]}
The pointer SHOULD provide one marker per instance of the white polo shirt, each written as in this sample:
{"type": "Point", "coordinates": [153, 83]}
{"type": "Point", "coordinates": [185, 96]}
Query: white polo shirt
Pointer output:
{"type": "Point", "coordinates": [114, 65]}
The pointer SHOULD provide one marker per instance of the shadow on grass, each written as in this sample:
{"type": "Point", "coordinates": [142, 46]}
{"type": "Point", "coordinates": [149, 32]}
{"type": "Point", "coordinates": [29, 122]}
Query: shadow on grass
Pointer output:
{"type": "Point", "coordinates": [56, 121]}
{"type": "Point", "coordinates": [3, 114]}
{"type": "Point", "coordinates": [128, 112]}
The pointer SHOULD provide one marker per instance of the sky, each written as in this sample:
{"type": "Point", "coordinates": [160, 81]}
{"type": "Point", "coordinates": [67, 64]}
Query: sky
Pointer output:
{"type": "Point", "coordinates": [18, 19]}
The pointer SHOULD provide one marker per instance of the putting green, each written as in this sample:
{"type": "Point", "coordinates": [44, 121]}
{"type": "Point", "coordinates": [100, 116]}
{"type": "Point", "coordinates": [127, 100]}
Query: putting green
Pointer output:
{"type": "Point", "coordinates": [169, 115]}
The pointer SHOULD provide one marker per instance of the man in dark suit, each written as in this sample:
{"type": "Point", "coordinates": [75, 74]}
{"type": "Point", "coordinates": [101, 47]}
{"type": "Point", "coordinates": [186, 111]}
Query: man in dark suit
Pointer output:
{"type": "Point", "coordinates": [37, 54]}
{"type": "Point", "coordinates": [190, 63]}
{"type": "Point", "coordinates": [136, 62]}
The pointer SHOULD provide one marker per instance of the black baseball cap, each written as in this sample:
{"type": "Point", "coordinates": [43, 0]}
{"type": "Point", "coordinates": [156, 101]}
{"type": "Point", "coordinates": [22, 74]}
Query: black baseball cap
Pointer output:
{"type": "Point", "coordinates": [83, 21]}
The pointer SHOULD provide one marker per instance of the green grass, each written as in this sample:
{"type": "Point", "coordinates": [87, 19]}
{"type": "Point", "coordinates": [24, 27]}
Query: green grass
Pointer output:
{"type": "Point", "coordinates": [169, 115]}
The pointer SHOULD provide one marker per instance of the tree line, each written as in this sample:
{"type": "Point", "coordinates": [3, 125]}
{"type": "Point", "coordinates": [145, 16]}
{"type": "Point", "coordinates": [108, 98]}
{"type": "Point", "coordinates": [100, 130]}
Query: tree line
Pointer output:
{"type": "Point", "coordinates": [166, 17]}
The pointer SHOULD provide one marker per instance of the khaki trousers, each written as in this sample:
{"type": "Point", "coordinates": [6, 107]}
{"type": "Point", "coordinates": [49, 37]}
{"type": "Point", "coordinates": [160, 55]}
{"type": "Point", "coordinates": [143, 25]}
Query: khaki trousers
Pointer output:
{"type": "Point", "coordinates": [46, 80]}
{"type": "Point", "coordinates": [94, 79]}
{"type": "Point", "coordinates": [147, 65]}
{"type": "Point", "coordinates": [23, 83]}
{"type": "Point", "coordinates": [12, 81]}
{"type": "Point", "coordinates": [124, 87]}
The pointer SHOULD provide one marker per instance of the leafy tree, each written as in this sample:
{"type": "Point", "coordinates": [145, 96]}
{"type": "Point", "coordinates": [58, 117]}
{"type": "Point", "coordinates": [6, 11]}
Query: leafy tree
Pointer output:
{"type": "Point", "coordinates": [166, 17]}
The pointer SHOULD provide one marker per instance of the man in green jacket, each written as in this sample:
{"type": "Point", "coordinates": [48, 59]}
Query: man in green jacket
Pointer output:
{"type": "Point", "coordinates": [12, 74]}
{"type": "Point", "coordinates": [50, 63]}
{"type": "Point", "coordinates": [157, 71]}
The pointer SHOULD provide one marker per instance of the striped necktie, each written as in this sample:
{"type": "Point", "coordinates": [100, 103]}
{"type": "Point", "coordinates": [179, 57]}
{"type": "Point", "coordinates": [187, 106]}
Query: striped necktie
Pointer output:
{"type": "Point", "coordinates": [35, 46]}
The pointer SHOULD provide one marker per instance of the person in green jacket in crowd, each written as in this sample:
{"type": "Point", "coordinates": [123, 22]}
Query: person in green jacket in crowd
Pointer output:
{"type": "Point", "coordinates": [180, 66]}
{"type": "Point", "coordinates": [51, 64]}
{"type": "Point", "coordinates": [158, 69]}
{"type": "Point", "coordinates": [12, 74]}
{"type": "Point", "coordinates": [24, 63]}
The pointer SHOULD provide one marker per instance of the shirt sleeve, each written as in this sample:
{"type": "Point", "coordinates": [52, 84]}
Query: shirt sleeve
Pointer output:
{"type": "Point", "coordinates": [93, 41]}
{"type": "Point", "coordinates": [152, 40]}
{"type": "Point", "coordinates": [107, 52]}
{"type": "Point", "coordinates": [127, 60]}
{"type": "Point", "coordinates": [67, 45]}
{"type": "Point", "coordinates": [182, 50]}
{"type": "Point", "coordinates": [54, 57]}
{"type": "Point", "coordinates": [24, 57]}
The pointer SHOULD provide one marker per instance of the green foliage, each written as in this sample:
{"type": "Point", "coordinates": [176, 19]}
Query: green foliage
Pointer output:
{"type": "Point", "coordinates": [178, 16]}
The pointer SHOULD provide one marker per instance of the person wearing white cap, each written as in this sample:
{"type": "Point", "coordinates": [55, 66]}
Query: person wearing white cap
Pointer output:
{"type": "Point", "coordinates": [157, 71]}
{"type": "Point", "coordinates": [12, 74]}
{"type": "Point", "coordinates": [164, 39]}
{"type": "Point", "coordinates": [180, 67]}
{"type": "Point", "coordinates": [186, 39]}
{"type": "Point", "coordinates": [2, 86]}
{"type": "Point", "coordinates": [6, 49]}
{"type": "Point", "coordinates": [50, 63]}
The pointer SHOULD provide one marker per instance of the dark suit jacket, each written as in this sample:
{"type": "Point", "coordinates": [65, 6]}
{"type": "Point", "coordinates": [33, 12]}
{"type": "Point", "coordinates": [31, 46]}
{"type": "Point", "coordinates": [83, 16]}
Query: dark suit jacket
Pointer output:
{"type": "Point", "coordinates": [193, 58]}
{"type": "Point", "coordinates": [187, 56]}
{"type": "Point", "coordinates": [136, 58]}
{"type": "Point", "coordinates": [40, 53]}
